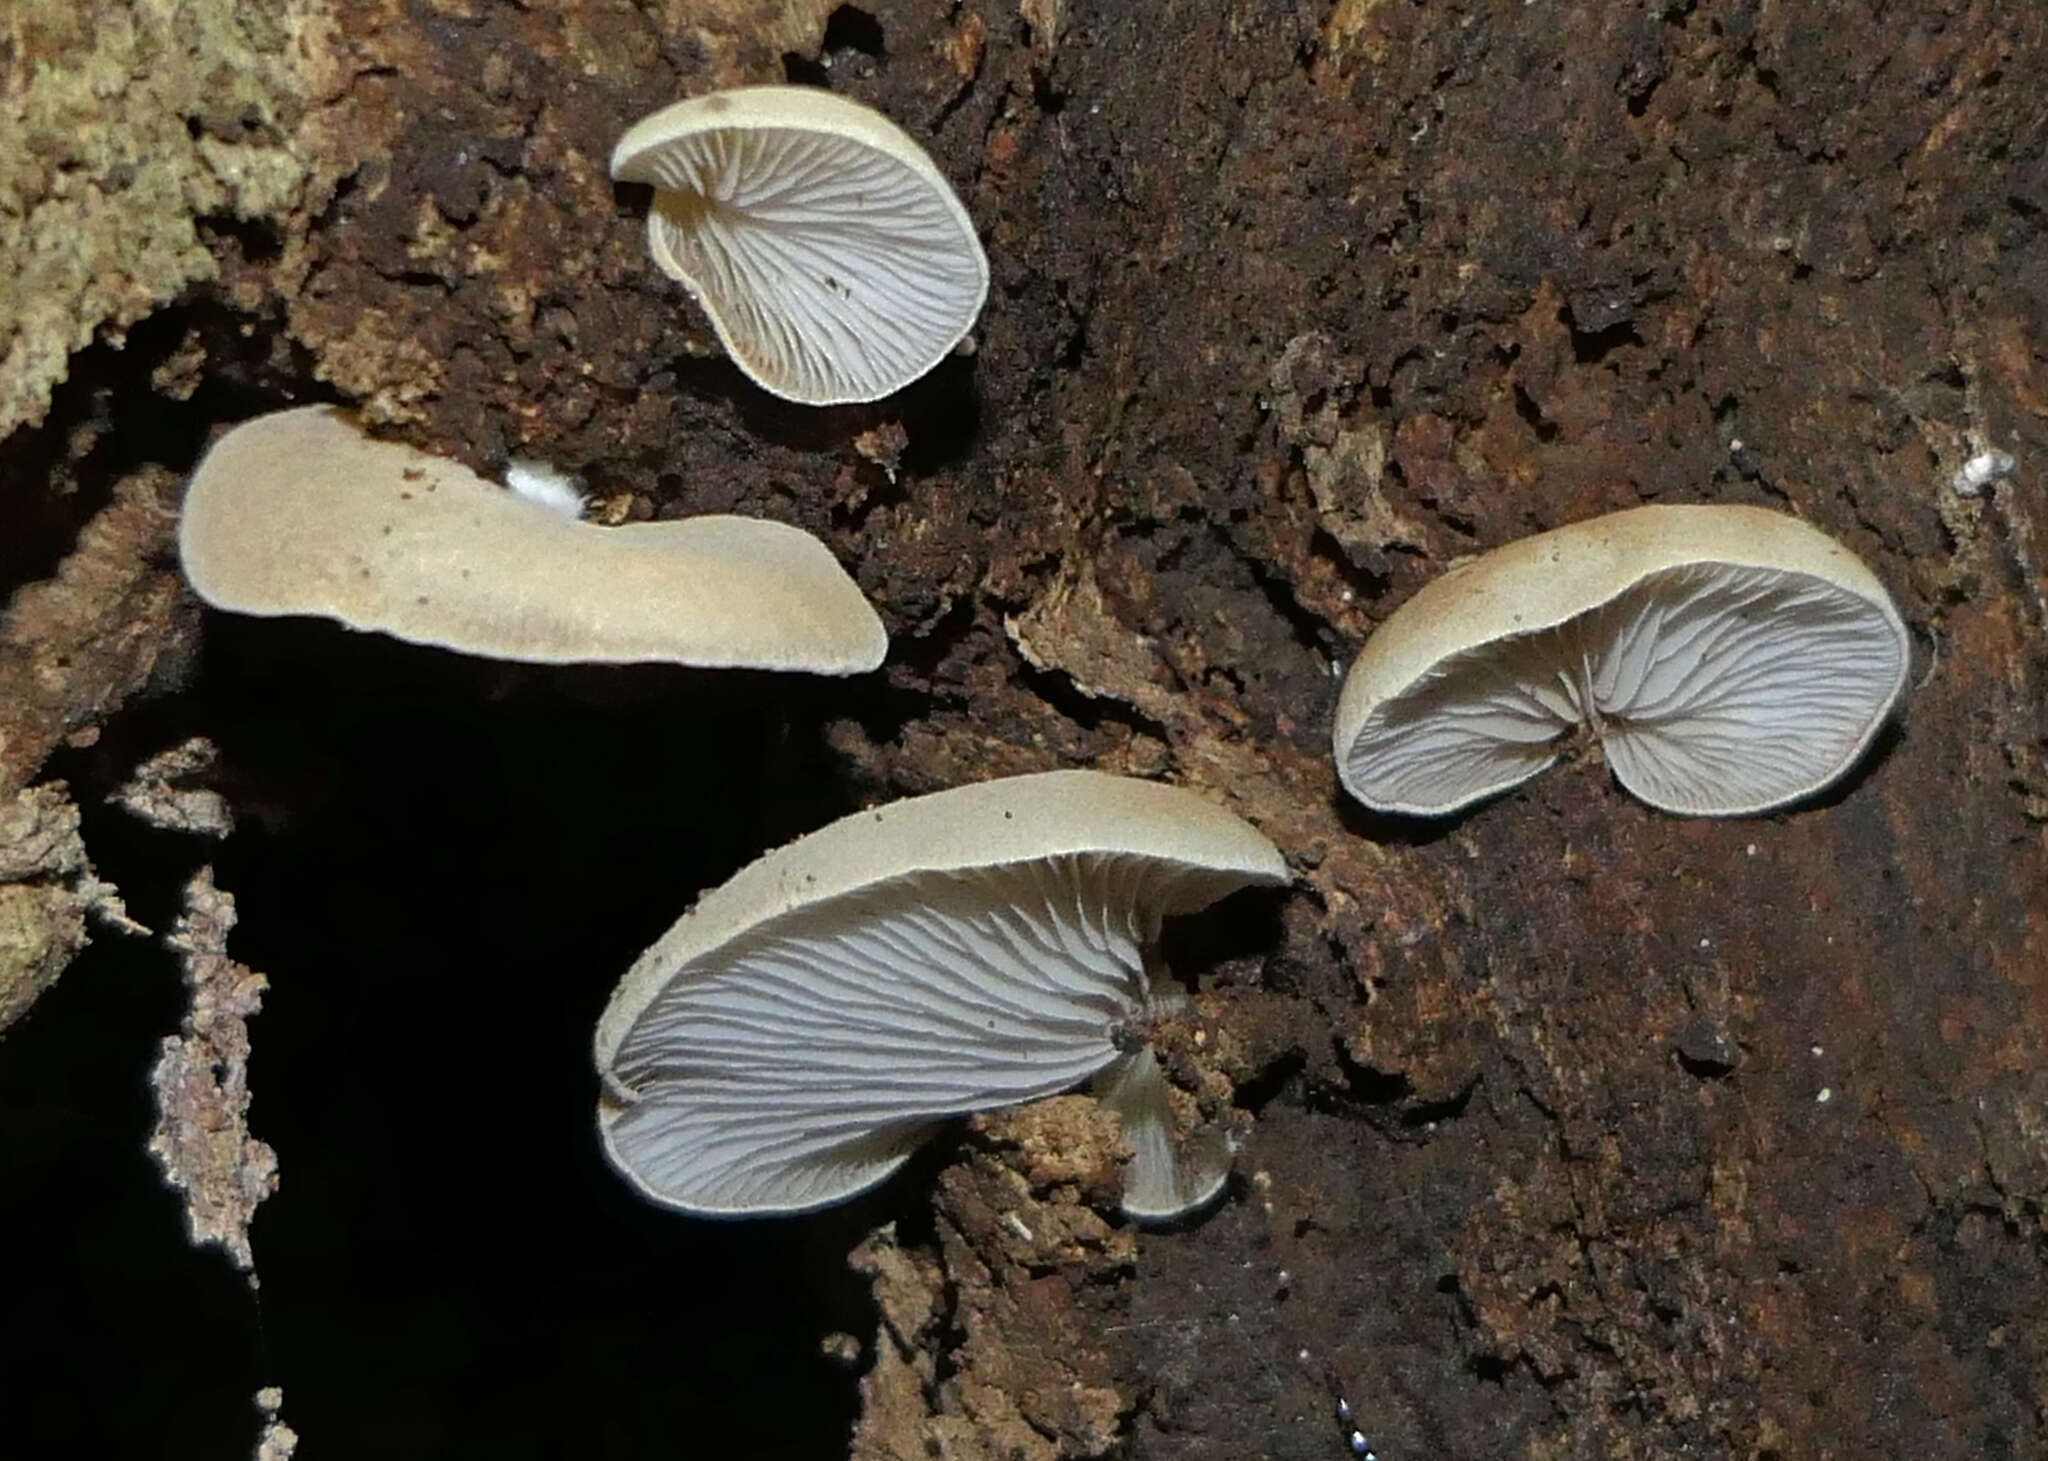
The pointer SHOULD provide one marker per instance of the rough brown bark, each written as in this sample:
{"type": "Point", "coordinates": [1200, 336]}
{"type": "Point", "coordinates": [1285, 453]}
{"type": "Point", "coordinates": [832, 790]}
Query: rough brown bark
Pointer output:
{"type": "Point", "coordinates": [1581, 1130]}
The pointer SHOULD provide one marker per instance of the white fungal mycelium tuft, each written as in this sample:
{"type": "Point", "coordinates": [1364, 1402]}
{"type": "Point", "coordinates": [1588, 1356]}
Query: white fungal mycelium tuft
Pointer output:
{"type": "Point", "coordinates": [545, 486]}
{"type": "Point", "coordinates": [1980, 471]}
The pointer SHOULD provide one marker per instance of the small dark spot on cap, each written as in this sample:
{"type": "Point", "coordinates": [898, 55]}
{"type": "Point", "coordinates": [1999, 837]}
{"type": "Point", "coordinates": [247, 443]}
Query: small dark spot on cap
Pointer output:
{"type": "Point", "coordinates": [717, 104]}
{"type": "Point", "coordinates": [422, 599]}
{"type": "Point", "coordinates": [387, 530]}
{"type": "Point", "coordinates": [412, 474]}
{"type": "Point", "coordinates": [1009, 816]}
{"type": "Point", "coordinates": [406, 495]}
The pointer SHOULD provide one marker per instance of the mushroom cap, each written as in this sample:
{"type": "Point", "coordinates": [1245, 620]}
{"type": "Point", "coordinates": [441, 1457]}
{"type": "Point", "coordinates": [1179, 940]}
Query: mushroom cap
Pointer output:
{"type": "Point", "coordinates": [794, 1036]}
{"type": "Point", "coordinates": [830, 253]}
{"type": "Point", "coordinates": [1166, 1180]}
{"type": "Point", "coordinates": [299, 512]}
{"type": "Point", "coordinates": [1732, 660]}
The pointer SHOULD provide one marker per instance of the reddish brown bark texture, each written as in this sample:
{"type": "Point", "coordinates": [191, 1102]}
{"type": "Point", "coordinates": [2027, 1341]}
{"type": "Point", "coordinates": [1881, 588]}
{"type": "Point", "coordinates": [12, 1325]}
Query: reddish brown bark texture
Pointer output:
{"type": "Point", "coordinates": [1582, 1130]}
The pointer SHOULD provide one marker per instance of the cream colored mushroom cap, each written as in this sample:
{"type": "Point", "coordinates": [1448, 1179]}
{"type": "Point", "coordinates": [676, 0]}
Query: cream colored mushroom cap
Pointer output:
{"type": "Point", "coordinates": [299, 512]}
{"type": "Point", "coordinates": [832, 256]}
{"type": "Point", "coordinates": [796, 1034]}
{"type": "Point", "coordinates": [1198, 850]}
{"type": "Point", "coordinates": [1733, 659]}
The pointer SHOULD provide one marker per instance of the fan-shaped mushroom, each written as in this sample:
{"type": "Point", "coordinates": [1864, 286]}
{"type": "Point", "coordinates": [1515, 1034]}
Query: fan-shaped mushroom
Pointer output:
{"type": "Point", "coordinates": [831, 255]}
{"type": "Point", "coordinates": [1730, 659]}
{"type": "Point", "coordinates": [298, 512]}
{"type": "Point", "coordinates": [799, 1032]}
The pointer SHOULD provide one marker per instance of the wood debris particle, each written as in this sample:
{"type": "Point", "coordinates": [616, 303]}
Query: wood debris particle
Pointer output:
{"type": "Point", "coordinates": [884, 446]}
{"type": "Point", "coordinates": [1043, 16]}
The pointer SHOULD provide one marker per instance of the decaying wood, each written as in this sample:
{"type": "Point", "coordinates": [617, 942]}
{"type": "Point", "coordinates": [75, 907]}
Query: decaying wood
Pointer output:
{"type": "Point", "coordinates": [1580, 1130]}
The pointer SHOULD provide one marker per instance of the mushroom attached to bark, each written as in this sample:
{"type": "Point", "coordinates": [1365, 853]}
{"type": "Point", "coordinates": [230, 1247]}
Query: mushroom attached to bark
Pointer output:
{"type": "Point", "coordinates": [831, 255]}
{"type": "Point", "coordinates": [796, 1035]}
{"type": "Point", "coordinates": [1729, 659]}
{"type": "Point", "coordinates": [300, 513]}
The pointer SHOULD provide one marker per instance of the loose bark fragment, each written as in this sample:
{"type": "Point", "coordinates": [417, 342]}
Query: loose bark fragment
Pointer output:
{"type": "Point", "coordinates": [152, 791]}
{"type": "Point", "coordinates": [47, 887]}
{"type": "Point", "coordinates": [201, 1081]}
{"type": "Point", "coordinates": [73, 647]}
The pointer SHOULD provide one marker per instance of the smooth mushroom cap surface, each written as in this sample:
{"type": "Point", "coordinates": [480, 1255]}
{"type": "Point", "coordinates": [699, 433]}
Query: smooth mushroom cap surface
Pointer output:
{"type": "Point", "coordinates": [299, 512]}
{"type": "Point", "coordinates": [831, 255]}
{"type": "Point", "coordinates": [793, 1037]}
{"type": "Point", "coordinates": [1731, 659]}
